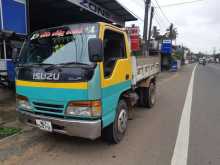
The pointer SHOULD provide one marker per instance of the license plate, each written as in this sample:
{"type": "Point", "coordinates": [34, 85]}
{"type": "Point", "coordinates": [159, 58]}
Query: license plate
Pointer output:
{"type": "Point", "coordinates": [44, 125]}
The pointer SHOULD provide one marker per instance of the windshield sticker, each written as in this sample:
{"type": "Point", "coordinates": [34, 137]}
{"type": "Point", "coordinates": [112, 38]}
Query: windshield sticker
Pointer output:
{"type": "Point", "coordinates": [74, 31]}
{"type": "Point", "coordinates": [45, 34]}
{"type": "Point", "coordinates": [58, 33]}
{"type": "Point", "coordinates": [35, 36]}
{"type": "Point", "coordinates": [64, 32]}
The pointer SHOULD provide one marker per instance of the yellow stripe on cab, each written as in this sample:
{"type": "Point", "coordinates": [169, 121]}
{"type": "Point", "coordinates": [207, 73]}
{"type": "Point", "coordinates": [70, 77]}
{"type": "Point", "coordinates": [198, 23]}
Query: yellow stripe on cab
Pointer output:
{"type": "Point", "coordinates": [81, 85]}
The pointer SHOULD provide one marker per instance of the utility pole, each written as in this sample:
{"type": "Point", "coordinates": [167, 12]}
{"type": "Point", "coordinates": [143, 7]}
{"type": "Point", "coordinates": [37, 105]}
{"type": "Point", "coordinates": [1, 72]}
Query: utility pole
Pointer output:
{"type": "Point", "coordinates": [214, 51]}
{"type": "Point", "coordinates": [147, 6]}
{"type": "Point", "coordinates": [150, 27]}
{"type": "Point", "coordinates": [28, 16]}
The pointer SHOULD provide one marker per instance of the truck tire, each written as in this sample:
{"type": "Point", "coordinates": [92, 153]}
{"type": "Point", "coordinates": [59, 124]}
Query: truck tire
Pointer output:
{"type": "Point", "coordinates": [140, 92]}
{"type": "Point", "coordinates": [116, 131]}
{"type": "Point", "coordinates": [149, 96]}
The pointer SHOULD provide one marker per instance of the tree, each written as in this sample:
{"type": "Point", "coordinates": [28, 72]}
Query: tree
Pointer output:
{"type": "Point", "coordinates": [172, 32]}
{"type": "Point", "coordinates": [155, 32]}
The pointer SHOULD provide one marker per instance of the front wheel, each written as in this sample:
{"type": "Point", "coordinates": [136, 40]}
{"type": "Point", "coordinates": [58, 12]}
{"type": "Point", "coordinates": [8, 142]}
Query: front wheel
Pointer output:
{"type": "Point", "coordinates": [116, 131]}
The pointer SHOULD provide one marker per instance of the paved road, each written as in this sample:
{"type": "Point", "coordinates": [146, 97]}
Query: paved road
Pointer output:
{"type": "Point", "coordinates": [204, 145]}
{"type": "Point", "coordinates": [151, 136]}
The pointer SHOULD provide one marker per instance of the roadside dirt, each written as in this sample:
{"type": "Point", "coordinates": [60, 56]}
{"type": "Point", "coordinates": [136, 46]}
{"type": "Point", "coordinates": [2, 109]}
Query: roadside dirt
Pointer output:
{"type": "Point", "coordinates": [7, 106]}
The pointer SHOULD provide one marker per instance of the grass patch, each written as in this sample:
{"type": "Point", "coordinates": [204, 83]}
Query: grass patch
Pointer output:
{"type": "Point", "coordinates": [5, 132]}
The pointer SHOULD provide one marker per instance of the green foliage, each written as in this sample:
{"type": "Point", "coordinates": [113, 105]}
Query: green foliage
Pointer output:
{"type": "Point", "coordinates": [177, 56]}
{"type": "Point", "coordinates": [172, 32]}
{"type": "Point", "coordinates": [4, 132]}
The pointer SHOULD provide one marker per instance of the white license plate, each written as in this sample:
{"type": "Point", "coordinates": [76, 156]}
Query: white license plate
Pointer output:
{"type": "Point", "coordinates": [44, 125]}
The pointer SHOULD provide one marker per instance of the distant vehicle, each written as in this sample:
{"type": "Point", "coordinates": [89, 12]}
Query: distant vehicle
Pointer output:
{"type": "Point", "coordinates": [202, 61]}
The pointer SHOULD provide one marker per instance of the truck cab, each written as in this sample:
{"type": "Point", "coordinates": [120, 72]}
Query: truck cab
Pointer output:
{"type": "Point", "coordinates": [79, 78]}
{"type": "Point", "coordinates": [71, 80]}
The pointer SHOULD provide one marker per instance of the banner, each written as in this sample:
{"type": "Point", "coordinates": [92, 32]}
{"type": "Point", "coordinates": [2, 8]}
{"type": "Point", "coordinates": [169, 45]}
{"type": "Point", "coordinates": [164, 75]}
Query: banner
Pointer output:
{"type": "Point", "coordinates": [13, 16]}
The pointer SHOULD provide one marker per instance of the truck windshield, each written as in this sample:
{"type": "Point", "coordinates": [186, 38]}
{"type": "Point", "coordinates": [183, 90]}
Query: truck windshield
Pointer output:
{"type": "Point", "coordinates": [60, 45]}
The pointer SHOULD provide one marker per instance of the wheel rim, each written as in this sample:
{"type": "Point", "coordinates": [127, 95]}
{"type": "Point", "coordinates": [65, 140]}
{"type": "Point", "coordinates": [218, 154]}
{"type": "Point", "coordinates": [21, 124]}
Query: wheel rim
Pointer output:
{"type": "Point", "coordinates": [153, 94]}
{"type": "Point", "coordinates": [122, 121]}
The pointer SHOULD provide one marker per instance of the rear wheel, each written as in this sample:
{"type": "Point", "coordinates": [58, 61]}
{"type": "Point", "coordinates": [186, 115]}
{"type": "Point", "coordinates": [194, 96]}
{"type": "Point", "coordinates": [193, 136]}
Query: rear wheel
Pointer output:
{"type": "Point", "coordinates": [147, 96]}
{"type": "Point", "coordinates": [150, 98]}
{"type": "Point", "coordinates": [116, 131]}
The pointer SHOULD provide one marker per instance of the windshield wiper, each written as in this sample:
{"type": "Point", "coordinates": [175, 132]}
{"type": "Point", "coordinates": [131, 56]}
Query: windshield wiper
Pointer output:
{"type": "Point", "coordinates": [34, 64]}
{"type": "Point", "coordinates": [58, 66]}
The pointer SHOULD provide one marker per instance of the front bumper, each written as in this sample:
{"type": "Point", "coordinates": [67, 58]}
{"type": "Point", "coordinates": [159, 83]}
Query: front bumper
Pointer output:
{"type": "Point", "coordinates": [80, 128]}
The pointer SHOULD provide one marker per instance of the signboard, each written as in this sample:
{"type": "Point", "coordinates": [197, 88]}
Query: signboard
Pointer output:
{"type": "Point", "coordinates": [133, 32]}
{"type": "Point", "coordinates": [13, 16]}
{"type": "Point", "coordinates": [166, 47]}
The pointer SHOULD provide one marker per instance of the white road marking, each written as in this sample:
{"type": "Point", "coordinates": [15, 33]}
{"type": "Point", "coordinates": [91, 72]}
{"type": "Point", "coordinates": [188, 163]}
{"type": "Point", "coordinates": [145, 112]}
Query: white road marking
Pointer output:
{"type": "Point", "coordinates": [180, 154]}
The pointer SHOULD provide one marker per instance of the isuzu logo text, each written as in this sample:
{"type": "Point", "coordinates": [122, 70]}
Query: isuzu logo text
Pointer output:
{"type": "Point", "coordinates": [46, 76]}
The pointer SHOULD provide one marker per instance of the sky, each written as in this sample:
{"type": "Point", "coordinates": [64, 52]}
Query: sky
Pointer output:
{"type": "Point", "coordinates": [198, 23]}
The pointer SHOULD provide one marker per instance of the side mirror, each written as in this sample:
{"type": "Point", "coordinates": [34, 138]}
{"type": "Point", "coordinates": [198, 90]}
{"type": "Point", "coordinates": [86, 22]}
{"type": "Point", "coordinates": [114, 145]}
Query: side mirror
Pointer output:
{"type": "Point", "coordinates": [96, 50]}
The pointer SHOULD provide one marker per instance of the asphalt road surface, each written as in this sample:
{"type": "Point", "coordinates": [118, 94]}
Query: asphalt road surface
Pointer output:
{"type": "Point", "coordinates": [153, 136]}
{"type": "Point", "coordinates": [204, 145]}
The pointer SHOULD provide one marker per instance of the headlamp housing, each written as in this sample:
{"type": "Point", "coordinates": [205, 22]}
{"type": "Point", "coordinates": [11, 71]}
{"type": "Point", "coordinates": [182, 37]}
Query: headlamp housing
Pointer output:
{"type": "Point", "coordinates": [22, 103]}
{"type": "Point", "coordinates": [84, 109]}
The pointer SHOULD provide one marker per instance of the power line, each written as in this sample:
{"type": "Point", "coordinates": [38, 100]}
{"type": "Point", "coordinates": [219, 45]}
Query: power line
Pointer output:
{"type": "Point", "coordinates": [162, 11]}
{"type": "Point", "coordinates": [158, 22]}
{"type": "Point", "coordinates": [159, 19]}
{"type": "Point", "coordinates": [155, 12]}
{"type": "Point", "coordinates": [181, 3]}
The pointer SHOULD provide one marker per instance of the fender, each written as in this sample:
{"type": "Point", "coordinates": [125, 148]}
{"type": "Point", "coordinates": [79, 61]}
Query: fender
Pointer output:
{"type": "Point", "coordinates": [146, 82]}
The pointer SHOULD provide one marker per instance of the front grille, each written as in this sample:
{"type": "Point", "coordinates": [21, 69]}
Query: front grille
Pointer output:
{"type": "Point", "coordinates": [48, 105]}
{"type": "Point", "coordinates": [48, 108]}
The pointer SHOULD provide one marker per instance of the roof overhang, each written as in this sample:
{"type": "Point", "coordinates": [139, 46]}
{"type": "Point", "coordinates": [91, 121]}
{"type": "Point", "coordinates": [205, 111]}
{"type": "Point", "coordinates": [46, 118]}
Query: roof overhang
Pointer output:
{"type": "Point", "coordinates": [115, 12]}
{"type": "Point", "coordinates": [47, 13]}
{"type": "Point", "coordinates": [11, 35]}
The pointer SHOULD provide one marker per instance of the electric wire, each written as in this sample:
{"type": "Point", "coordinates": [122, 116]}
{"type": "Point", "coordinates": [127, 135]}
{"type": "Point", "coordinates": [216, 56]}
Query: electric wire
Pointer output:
{"type": "Point", "coordinates": [161, 10]}
{"type": "Point", "coordinates": [181, 3]}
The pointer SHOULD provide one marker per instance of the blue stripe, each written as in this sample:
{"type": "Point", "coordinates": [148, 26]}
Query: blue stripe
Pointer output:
{"type": "Point", "coordinates": [110, 98]}
{"type": "Point", "coordinates": [52, 94]}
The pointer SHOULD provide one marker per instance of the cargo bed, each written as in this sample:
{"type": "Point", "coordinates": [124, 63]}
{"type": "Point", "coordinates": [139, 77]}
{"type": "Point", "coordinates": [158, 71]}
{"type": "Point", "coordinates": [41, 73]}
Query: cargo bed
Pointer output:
{"type": "Point", "coordinates": [144, 67]}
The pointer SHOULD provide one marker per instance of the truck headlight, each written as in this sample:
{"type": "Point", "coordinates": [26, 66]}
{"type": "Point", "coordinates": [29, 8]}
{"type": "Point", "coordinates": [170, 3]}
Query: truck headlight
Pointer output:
{"type": "Point", "coordinates": [84, 109]}
{"type": "Point", "coordinates": [23, 103]}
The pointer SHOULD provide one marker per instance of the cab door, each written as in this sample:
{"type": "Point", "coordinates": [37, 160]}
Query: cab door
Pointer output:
{"type": "Point", "coordinates": [115, 70]}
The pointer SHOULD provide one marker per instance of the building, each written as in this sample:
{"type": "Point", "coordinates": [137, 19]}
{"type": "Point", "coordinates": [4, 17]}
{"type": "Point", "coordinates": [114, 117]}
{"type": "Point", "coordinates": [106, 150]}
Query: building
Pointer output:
{"type": "Point", "coordinates": [13, 29]}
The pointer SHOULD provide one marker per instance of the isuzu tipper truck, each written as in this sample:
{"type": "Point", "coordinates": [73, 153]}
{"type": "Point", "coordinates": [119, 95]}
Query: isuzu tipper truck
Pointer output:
{"type": "Point", "coordinates": [82, 80]}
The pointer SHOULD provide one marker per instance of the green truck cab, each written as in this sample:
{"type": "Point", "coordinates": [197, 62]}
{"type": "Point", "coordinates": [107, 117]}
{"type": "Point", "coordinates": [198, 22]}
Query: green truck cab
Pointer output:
{"type": "Point", "coordinates": [81, 80]}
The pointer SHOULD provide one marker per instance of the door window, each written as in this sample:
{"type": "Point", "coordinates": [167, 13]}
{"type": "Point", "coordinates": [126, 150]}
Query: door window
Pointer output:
{"type": "Point", "coordinates": [114, 49]}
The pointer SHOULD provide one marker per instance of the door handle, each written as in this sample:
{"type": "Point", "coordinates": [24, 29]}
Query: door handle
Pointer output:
{"type": "Point", "coordinates": [127, 77]}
